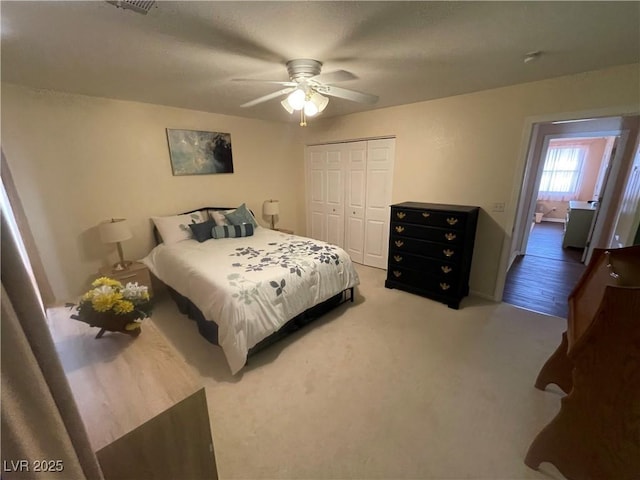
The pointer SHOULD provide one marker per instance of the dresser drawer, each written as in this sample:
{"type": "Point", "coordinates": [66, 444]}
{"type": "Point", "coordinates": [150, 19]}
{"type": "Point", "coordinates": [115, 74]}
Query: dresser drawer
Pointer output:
{"type": "Point", "coordinates": [427, 265]}
{"type": "Point", "coordinates": [449, 253]}
{"type": "Point", "coordinates": [434, 234]}
{"type": "Point", "coordinates": [430, 218]}
{"type": "Point", "coordinates": [424, 281]}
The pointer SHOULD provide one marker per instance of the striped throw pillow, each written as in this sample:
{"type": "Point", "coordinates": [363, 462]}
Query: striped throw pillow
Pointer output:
{"type": "Point", "coordinates": [232, 231]}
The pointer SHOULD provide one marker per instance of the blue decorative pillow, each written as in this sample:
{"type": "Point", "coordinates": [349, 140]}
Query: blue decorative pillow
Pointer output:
{"type": "Point", "coordinates": [202, 231]}
{"type": "Point", "coordinates": [241, 215]}
{"type": "Point", "coordinates": [232, 231]}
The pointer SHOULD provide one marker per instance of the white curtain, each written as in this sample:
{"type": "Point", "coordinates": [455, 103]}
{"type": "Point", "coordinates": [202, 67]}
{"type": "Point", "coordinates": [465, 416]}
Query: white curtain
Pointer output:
{"type": "Point", "coordinates": [40, 420]}
{"type": "Point", "coordinates": [562, 173]}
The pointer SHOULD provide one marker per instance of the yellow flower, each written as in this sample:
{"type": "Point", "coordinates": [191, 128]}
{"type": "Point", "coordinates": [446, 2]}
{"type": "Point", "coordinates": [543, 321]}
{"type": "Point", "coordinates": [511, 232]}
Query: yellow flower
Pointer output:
{"type": "Point", "coordinates": [106, 281]}
{"type": "Point", "coordinates": [104, 301]}
{"type": "Point", "coordinates": [87, 296]}
{"type": "Point", "coordinates": [123, 306]}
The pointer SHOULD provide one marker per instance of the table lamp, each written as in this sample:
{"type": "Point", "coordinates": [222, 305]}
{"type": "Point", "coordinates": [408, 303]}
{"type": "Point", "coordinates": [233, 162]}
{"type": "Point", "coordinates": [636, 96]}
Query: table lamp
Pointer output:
{"type": "Point", "coordinates": [271, 208]}
{"type": "Point", "coordinates": [116, 231]}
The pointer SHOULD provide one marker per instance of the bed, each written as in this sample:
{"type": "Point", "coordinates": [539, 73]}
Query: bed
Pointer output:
{"type": "Point", "coordinates": [246, 292]}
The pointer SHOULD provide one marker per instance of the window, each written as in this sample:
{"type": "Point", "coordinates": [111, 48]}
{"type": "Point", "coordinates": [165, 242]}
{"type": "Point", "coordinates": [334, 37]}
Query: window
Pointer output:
{"type": "Point", "coordinates": [562, 172]}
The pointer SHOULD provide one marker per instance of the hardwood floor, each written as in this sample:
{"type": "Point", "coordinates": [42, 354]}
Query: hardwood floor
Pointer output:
{"type": "Point", "coordinates": [542, 279]}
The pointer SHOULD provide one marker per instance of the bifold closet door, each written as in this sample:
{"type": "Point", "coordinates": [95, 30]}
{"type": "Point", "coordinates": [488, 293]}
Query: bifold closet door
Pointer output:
{"type": "Point", "coordinates": [355, 156]}
{"type": "Point", "coordinates": [325, 182]}
{"type": "Point", "coordinates": [349, 194]}
{"type": "Point", "coordinates": [379, 181]}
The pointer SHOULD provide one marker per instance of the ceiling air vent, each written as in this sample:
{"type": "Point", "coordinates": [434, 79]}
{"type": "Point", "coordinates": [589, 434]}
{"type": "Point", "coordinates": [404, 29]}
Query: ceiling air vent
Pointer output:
{"type": "Point", "coordinates": [138, 6]}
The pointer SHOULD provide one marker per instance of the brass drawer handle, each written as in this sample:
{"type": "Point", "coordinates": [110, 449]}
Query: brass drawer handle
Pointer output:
{"type": "Point", "coordinates": [450, 236]}
{"type": "Point", "coordinates": [397, 258]}
{"type": "Point", "coordinates": [448, 252]}
{"type": "Point", "coordinates": [399, 229]}
{"type": "Point", "coordinates": [397, 273]}
{"type": "Point", "coordinates": [445, 286]}
{"type": "Point", "coordinates": [446, 268]}
{"type": "Point", "coordinates": [401, 215]}
{"type": "Point", "coordinates": [399, 243]}
{"type": "Point", "coordinates": [452, 220]}
{"type": "Point", "coordinates": [426, 214]}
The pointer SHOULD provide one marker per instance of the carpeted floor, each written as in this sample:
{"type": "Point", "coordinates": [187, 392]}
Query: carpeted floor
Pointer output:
{"type": "Point", "coordinates": [395, 386]}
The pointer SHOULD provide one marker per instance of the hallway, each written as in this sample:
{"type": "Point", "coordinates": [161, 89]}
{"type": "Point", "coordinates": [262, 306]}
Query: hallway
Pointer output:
{"type": "Point", "coordinates": [542, 279]}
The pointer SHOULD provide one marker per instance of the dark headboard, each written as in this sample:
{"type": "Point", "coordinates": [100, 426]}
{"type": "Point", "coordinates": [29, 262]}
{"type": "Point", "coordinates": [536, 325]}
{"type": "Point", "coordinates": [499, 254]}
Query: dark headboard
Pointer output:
{"type": "Point", "coordinates": [156, 234]}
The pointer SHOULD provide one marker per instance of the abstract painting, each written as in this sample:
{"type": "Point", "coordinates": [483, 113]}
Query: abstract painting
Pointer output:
{"type": "Point", "coordinates": [194, 152]}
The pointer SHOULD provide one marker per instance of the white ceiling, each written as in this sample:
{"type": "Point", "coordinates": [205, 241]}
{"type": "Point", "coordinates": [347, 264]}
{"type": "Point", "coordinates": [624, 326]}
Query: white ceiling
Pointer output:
{"type": "Point", "coordinates": [185, 54]}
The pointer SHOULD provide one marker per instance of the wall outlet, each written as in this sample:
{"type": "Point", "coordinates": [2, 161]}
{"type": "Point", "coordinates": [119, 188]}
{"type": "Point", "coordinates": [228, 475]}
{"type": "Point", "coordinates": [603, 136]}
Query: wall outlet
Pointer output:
{"type": "Point", "coordinates": [497, 207]}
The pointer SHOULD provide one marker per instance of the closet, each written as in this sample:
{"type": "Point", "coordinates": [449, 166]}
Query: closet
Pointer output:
{"type": "Point", "coordinates": [348, 197]}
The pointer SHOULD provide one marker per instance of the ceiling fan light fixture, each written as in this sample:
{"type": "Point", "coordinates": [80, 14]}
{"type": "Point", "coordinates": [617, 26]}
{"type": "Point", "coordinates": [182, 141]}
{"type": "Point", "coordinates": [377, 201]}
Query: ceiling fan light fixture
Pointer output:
{"type": "Point", "coordinates": [320, 101]}
{"type": "Point", "coordinates": [286, 106]}
{"type": "Point", "coordinates": [310, 109]}
{"type": "Point", "coordinates": [296, 99]}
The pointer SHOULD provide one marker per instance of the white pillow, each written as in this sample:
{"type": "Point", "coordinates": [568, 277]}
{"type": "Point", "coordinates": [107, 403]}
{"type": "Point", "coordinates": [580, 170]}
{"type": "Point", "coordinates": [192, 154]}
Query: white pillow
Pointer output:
{"type": "Point", "coordinates": [218, 216]}
{"type": "Point", "coordinates": [176, 228]}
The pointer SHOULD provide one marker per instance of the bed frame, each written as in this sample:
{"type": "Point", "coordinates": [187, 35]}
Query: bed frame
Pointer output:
{"type": "Point", "coordinates": [209, 329]}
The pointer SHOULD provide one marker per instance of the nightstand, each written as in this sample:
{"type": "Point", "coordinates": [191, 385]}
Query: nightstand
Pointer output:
{"type": "Point", "coordinates": [284, 230]}
{"type": "Point", "coordinates": [137, 272]}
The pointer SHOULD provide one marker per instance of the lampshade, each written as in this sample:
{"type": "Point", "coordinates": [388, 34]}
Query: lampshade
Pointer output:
{"type": "Point", "coordinates": [271, 207]}
{"type": "Point", "coordinates": [116, 230]}
{"type": "Point", "coordinates": [320, 101]}
{"type": "Point", "coordinates": [296, 99]}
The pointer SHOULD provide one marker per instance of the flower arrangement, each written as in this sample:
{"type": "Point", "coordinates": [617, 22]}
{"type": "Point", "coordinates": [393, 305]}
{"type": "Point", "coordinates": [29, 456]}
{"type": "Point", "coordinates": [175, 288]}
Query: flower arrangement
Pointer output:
{"type": "Point", "coordinates": [112, 306]}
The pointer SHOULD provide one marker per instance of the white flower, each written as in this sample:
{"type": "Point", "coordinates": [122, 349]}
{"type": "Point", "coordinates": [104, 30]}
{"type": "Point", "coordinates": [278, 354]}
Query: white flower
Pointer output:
{"type": "Point", "coordinates": [103, 290]}
{"type": "Point", "coordinates": [133, 291]}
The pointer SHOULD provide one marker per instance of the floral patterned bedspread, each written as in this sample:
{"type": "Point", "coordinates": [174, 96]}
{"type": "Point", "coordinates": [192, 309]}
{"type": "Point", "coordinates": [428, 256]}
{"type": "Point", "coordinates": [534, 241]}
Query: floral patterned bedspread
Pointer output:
{"type": "Point", "coordinates": [251, 286]}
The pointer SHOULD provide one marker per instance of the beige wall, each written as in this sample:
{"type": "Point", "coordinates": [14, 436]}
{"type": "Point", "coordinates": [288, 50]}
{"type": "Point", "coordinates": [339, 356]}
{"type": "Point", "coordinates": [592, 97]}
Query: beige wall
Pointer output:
{"type": "Point", "coordinates": [470, 149]}
{"type": "Point", "coordinates": [79, 160]}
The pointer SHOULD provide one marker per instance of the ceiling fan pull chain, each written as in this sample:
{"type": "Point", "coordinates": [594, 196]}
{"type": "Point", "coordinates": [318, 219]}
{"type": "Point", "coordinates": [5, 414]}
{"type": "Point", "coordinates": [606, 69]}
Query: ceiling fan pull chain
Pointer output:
{"type": "Point", "coordinates": [303, 118]}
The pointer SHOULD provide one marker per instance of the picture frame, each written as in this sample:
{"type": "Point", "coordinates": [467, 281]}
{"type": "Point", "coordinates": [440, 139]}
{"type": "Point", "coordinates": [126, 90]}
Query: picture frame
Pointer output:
{"type": "Point", "coordinates": [196, 152]}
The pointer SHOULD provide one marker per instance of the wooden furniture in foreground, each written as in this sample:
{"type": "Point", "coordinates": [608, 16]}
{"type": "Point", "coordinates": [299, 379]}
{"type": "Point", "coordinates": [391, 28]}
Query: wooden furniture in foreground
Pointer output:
{"type": "Point", "coordinates": [596, 434]}
{"type": "Point", "coordinates": [183, 432]}
{"type": "Point", "coordinates": [430, 250]}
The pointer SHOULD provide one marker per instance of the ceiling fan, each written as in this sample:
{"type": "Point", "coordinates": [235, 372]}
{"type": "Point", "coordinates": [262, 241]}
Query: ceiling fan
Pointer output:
{"type": "Point", "coordinates": [307, 87]}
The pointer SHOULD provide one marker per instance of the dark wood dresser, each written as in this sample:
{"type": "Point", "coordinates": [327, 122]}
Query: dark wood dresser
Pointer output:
{"type": "Point", "coordinates": [430, 250]}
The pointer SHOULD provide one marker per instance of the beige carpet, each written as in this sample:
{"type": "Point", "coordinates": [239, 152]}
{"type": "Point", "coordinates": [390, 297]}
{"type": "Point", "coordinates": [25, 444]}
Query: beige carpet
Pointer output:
{"type": "Point", "coordinates": [394, 386]}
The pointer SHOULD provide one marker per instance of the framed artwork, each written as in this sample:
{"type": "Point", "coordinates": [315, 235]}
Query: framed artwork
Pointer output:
{"type": "Point", "coordinates": [199, 153]}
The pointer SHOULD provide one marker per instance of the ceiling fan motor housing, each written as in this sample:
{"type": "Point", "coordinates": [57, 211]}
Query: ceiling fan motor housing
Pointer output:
{"type": "Point", "coordinates": [302, 68]}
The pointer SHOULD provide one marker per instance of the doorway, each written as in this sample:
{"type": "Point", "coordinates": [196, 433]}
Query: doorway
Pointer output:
{"type": "Point", "coordinates": [545, 261]}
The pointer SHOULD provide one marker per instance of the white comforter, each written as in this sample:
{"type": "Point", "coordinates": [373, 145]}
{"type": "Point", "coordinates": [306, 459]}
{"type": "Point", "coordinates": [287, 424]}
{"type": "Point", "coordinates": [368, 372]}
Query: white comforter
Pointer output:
{"type": "Point", "coordinates": [251, 286]}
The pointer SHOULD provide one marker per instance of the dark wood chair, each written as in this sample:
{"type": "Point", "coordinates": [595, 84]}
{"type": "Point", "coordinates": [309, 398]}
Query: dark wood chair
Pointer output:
{"type": "Point", "coordinates": [596, 434]}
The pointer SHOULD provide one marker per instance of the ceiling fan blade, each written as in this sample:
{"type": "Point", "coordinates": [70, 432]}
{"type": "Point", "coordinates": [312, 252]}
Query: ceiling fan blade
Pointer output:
{"type": "Point", "coordinates": [334, 77]}
{"type": "Point", "coordinates": [348, 94]}
{"type": "Point", "coordinates": [268, 97]}
{"type": "Point", "coordinates": [256, 80]}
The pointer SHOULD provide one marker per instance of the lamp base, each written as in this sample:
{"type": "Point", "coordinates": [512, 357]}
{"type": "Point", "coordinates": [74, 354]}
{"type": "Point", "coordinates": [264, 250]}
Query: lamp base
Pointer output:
{"type": "Point", "coordinates": [123, 265]}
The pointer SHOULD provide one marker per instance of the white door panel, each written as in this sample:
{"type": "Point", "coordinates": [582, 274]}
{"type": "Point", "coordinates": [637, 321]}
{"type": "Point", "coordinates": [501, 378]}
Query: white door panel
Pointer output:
{"type": "Point", "coordinates": [355, 245]}
{"type": "Point", "coordinates": [380, 155]}
{"type": "Point", "coordinates": [375, 245]}
{"type": "Point", "coordinates": [356, 161]}
{"type": "Point", "coordinates": [349, 193]}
